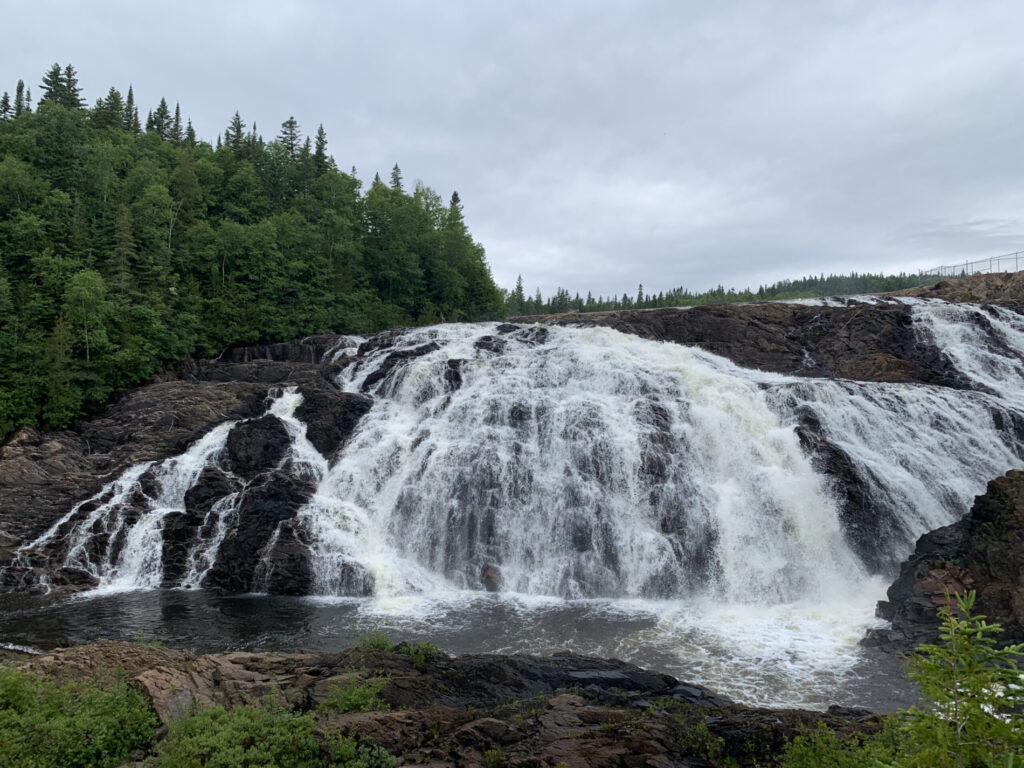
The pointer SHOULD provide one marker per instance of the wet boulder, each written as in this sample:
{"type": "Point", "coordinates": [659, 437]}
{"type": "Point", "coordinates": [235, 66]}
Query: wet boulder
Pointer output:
{"type": "Point", "coordinates": [331, 417]}
{"type": "Point", "coordinates": [256, 445]}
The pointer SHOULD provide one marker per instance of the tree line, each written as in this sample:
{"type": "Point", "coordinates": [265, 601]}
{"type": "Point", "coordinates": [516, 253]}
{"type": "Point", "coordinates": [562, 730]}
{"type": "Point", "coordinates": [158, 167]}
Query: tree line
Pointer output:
{"type": "Point", "coordinates": [127, 244]}
{"type": "Point", "coordinates": [517, 302]}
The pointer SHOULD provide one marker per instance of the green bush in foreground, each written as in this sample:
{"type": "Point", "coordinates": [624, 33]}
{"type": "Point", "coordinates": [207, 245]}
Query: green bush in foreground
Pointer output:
{"type": "Point", "coordinates": [253, 737]}
{"type": "Point", "coordinates": [971, 717]}
{"type": "Point", "coordinates": [44, 723]}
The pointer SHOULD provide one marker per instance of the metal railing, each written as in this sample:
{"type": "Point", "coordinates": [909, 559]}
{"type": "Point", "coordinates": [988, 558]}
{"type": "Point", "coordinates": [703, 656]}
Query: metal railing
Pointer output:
{"type": "Point", "coordinates": [1008, 262]}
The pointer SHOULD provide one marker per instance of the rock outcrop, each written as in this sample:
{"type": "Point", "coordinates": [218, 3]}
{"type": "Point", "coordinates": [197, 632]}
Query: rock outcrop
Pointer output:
{"type": "Point", "coordinates": [983, 551]}
{"type": "Point", "coordinates": [473, 710]}
{"type": "Point", "coordinates": [42, 475]}
{"type": "Point", "coordinates": [861, 341]}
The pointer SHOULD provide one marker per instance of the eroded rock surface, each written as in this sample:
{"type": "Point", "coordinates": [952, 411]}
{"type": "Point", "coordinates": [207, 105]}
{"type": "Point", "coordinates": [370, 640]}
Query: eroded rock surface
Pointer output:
{"type": "Point", "coordinates": [983, 551]}
{"type": "Point", "coordinates": [473, 710]}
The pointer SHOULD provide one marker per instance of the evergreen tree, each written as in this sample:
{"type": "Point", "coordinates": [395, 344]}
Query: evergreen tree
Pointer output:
{"type": "Point", "coordinates": [396, 178]}
{"type": "Point", "coordinates": [6, 110]}
{"type": "Point", "coordinates": [190, 134]}
{"type": "Point", "coordinates": [289, 136]}
{"type": "Point", "coordinates": [320, 159]}
{"type": "Point", "coordinates": [53, 85]}
{"type": "Point", "coordinates": [235, 133]}
{"type": "Point", "coordinates": [130, 120]}
{"type": "Point", "coordinates": [176, 133]}
{"type": "Point", "coordinates": [19, 98]}
{"type": "Point", "coordinates": [72, 94]}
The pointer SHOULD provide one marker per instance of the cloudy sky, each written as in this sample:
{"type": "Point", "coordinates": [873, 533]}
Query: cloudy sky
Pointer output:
{"type": "Point", "coordinates": [597, 145]}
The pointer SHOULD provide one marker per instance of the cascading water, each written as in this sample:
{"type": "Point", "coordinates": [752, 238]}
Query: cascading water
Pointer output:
{"type": "Point", "coordinates": [650, 479]}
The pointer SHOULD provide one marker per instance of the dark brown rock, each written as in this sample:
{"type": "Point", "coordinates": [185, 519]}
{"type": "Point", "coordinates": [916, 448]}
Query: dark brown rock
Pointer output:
{"type": "Point", "coordinates": [257, 445]}
{"type": "Point", "coordinates": [331, 417]}
{"type": "Point", "coordinates": [866, 342]}
{"type": "Point", "coordinates": [983, 551]}
{"type": "Point", "coordinates": [473, 710]}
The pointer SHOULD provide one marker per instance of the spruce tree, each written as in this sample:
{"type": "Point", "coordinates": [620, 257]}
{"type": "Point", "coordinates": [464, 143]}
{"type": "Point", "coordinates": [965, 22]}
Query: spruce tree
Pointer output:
{"type": "Point", "coordinates": [320, 151]}
{"type": "Point", "coordinates": [6, 110]}
{"type": "Point", "coordinates": [176, 133]}
{"type": "Point", "coordinates": [235, 133]}
{"type": "Point", "coordinates": [289, 136]}
{"type": "Point", "coordinates": [71, 97]}
{"type": "Point", "coordinates": [190, 134]}
{"type": "Point", "coordinates": [19, 98]}
{"type": "Point", "coordinates": [53, 85]}
{"type": "Point", "coordinates": [130, 119]}
{"type": "Point", "coordinates": [396, 179]}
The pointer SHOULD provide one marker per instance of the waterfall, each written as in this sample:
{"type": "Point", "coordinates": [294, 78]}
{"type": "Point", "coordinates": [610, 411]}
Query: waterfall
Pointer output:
{"type": "Point", "coordinates": [580, 463]}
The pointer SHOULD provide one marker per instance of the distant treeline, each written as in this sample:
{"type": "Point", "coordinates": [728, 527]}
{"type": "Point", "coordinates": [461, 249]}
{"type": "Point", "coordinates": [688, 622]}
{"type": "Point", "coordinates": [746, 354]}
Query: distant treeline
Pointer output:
{"type": "Point", "coordinates": [126, 245]}
{"type": "Point", "coordinates": [518, 303]}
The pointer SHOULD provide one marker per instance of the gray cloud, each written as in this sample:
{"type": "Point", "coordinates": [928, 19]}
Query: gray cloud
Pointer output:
{"type": "Point", "coordinates": [597, 145]}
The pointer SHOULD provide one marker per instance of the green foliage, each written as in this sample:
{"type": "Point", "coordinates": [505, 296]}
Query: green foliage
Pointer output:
{"type": "Point", "coordinates": [973, 693]}
{"type": "Point", "coordinates": [421, 653]}
{"type": "Point", "coordinates": [44, 723]}
{"type": "Point", "coordinates": [375, 640]}
{"type": "Point", "coordinates": [970, 718]}
{"type": "Point", "coordinates": [356, 695]}
{"type": "Point", "coordinates": [349, 752]}
{"type": "Point", "coordinates": [245, 737]}
{"type": "Point", "coordinates": [122, 251]}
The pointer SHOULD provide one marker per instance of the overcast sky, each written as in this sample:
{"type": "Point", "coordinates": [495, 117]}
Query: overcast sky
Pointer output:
{"type": "Point", "coordinates": [598, 145]}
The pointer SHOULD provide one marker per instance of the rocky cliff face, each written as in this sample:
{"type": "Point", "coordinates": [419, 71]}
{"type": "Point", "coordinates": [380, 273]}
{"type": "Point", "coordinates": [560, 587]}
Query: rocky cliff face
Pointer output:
{"type": "Point", "coordinates": [474, 710]}
{"type": "Point", "coordinates": [983, 551]}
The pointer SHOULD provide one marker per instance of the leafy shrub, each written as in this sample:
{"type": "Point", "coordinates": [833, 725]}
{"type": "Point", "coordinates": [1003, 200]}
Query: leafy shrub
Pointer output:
{"type": "Point", "coordinates": [356, 696]}
{"type": "Point", "coordinates": [375, 640]}
{"type": "Point", "coordinates": [421, 653]}
{"type": "Point", "coordinates": [44, 723]}
{"type": "Point", "coordinates": [243, 737]}
{"type": "Point", "coordinates": [970, 717]}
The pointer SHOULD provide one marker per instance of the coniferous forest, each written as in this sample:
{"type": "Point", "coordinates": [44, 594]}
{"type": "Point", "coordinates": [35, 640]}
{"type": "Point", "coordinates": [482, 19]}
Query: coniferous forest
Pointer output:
{"type": "Point", "coordinates": [128, 243]}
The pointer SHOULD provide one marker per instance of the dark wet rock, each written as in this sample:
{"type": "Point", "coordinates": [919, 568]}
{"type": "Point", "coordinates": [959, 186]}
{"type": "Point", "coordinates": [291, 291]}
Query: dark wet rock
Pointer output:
{"type": "Point", "coordinates": [309, 350]}
{"type": "Point", "coordinates": [864, 342]}
{"type": "Point", "coordinates": [983, 551]}
{"type": "Point", "coordinates": [491, 578]}
{"type": "Point", "coordinates": [394, 360]}
{"type": "Point", "coordinates": [490, 344]}
{"type": "Point", "coordinates": [182, 530]}
{"type": "Point", "coordinates": [288, 568]}
{"type": "Point", "coordinates": [472, 710]}
{"type": "Point", "coordinates": [331, 417]}
{"type": "Point", "coordinates": [257, 445]}
{"type": "Point", "coordinates": [453, 374]}
{"type": "Point", "coordinates": [263, 506]}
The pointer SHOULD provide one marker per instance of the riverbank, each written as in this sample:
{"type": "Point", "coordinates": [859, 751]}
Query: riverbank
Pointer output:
{"type": "Point", "coordinates": [422, 706]}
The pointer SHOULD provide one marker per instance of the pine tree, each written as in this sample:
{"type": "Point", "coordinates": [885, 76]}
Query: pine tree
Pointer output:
{"type": "Point", "coordinates": [19, 98]}
{"type": "Point", "coordinates": [396, 179]}
{"type": "Point", "coordinates": [72, 94]}
{"type": "Point", "coordinates": [53, 85]}
{"type": "Point", "coordinates": [160, 121]}
{"type": "Point", "coordinates": [190, 134]}
{"type": "Point", "coordinates": [235, 133]}
{"type": "Point", "coordinates": [6, 111]}
{"type": "Point", "coordinates": [176, 134]}
{"type": "Point", "coordinates": [320, 159]}
{"type": "Point", "coordinates": [289, 136]}
{"type": "Point", "coordinates": [130, 119]}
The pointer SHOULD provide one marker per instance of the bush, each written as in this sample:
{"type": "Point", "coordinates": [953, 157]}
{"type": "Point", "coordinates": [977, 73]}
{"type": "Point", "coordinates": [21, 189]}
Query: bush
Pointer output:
{"type": "Point", "coordinates": [356, 696]}
{"type": "Point", "coordinates": [421, 653]}
{"type": "Point", "coordinates": [243, 737]}
{"type": "Point", "coordinates": [375, 640]}
{"type": "Point", "coordinates": [971, 713]}
{"type": "Point", "coordinates": [96, 723]}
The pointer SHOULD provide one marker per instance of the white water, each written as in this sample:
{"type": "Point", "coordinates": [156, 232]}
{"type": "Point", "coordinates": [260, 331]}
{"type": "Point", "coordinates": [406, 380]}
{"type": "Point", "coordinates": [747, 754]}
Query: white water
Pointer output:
{"type": "Point", "coordinates": [658, 479]}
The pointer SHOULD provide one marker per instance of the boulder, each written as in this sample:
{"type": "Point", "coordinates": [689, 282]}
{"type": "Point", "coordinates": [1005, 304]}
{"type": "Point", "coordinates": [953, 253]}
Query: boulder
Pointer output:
{"type": "Point", "coordinates": [983, 551]}
{"type": "Point", "coordinates": [331, 417]}
{"type": "Point", "coordinates": [257, 445]}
